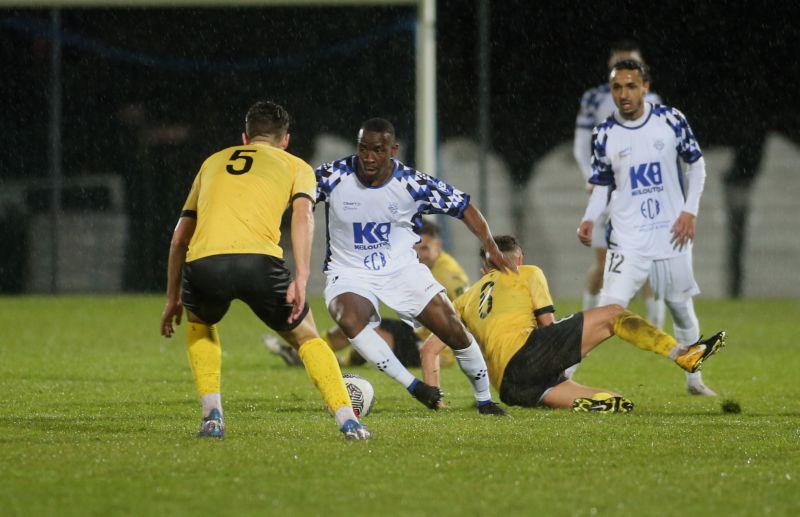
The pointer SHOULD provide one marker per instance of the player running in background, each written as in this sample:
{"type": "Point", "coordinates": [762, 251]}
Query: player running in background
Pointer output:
{"type": "Point", "coordinates": [527, 350]}
{"type": "Point", "coordinates": [597, 105]}
{"type": "Point", "coordinates": [639, 154]}
{"type": "Point", "coordinates": [374, 211]}
{"type": "Point", "coordinates": [402, 338]}
{"type": "Point", "coordinates": [225, 247]}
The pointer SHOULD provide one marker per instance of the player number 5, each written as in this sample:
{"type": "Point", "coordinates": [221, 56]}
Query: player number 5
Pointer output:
{"type": "Point", "coordinates": [237, 155]}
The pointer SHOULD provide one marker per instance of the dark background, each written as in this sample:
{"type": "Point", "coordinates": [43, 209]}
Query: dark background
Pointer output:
{"type": "Point", "coordinates": [149, 93]}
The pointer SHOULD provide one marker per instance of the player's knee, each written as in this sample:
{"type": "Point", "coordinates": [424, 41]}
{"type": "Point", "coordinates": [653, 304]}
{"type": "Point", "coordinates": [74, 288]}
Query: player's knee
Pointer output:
{"type": "Point", "coordinates": [457, 338]}
{"type": "Point", "coordinates": [351, 324]}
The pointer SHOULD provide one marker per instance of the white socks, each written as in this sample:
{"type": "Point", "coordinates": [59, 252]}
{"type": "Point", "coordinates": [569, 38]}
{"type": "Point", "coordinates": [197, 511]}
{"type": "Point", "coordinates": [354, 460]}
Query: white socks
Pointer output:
{"type": "Point", "coordinates": [375, 350]}
{"type": "Point", "coordinates": [343, 414]}
{"type": "Point", "coordinates": [211, 401]}
{"type": "Point", "coordinates": [656, 310]}
{"type": "Point", "coordinates": [474, 367]}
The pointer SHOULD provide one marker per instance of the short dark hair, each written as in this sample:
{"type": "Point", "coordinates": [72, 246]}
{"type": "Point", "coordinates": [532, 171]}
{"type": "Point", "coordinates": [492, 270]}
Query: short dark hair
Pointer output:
{"type": "Point", "coordinates": [625, 45]}
{"type": "Point", "coordinates": [378, 125]}
{"type": "Point", "coordinates": [632, 64]}
{"type": "Point", "coordinates": [266, 118]}
{"type": "Point", "coordinates": [429, 228]}
{"type": "Point", "coordinates": [505, 243]}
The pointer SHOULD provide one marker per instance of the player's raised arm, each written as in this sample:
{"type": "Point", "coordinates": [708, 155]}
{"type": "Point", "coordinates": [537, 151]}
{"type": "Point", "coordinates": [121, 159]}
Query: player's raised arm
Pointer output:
{"type": "Point", "coordinates": [477, 225]}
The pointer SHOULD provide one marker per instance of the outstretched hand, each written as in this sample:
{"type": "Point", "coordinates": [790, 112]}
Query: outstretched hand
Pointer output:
{"type": "Point", "coordinates": [296, 296]}
{"type": "Point", "coordinates": [172, 312]}
{"type": "Point", "coordinates": [683, 231]}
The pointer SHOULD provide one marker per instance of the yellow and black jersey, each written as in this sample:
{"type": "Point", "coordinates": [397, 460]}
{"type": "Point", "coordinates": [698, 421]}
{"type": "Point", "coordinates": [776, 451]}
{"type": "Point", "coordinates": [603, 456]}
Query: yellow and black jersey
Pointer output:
{"type": "Point", "coordinates": [239, 197]}
{"type": "Point", "coordinates": [450, 274]}
{"type": "Point", "coordinates": [500, 310]}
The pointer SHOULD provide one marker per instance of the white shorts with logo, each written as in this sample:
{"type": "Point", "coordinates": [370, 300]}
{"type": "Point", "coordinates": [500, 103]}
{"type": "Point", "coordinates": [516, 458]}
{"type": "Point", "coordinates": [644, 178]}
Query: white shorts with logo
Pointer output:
{"type": "Point", "coordinates": [672, 279]}
{"type": "Point", "coordinates": [407, 291]}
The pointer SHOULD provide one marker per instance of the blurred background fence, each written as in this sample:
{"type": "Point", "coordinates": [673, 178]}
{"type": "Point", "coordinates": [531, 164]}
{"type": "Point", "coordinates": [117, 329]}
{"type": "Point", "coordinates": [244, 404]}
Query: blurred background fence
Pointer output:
{"type": "Point", "coordinates": [147, 93]}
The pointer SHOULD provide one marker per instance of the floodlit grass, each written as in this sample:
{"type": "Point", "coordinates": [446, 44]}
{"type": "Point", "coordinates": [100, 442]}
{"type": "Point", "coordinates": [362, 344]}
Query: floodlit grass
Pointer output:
{"type": "Point", "coordinates": [99, 415]}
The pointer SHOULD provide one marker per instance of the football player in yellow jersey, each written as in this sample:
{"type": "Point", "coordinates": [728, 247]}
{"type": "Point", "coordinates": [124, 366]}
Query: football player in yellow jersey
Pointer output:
{"type": "Point", "coordinates": [511, 316]}
{"type": "Point", "coordinates": [225, 247]}
{"type": "Point", "coordinates": [402, 338]}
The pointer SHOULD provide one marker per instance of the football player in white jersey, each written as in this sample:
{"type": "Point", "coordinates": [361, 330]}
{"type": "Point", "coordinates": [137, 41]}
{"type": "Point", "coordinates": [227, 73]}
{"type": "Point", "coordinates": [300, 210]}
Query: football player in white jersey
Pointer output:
{"type": "Point", "coordinates": [597, 104]}
{"type": "Point", "coordinates": [637, 155]}
{"type": "Point", "coordinates": [374, 208]}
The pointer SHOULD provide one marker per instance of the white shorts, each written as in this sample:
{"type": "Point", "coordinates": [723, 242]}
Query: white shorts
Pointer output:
{"type": "Point", "coordinates": [672, 279]}
{"type": "Point", "coordinates": [407, 292]}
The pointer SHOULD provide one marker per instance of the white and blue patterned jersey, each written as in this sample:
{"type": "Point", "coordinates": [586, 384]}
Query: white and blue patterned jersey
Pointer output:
{"type": "Point", "coordinates": [597, 104]}
{"type": "Point", "coordinates": [640, 161]}
{"type": "Point", "coordinates": [374, 229]}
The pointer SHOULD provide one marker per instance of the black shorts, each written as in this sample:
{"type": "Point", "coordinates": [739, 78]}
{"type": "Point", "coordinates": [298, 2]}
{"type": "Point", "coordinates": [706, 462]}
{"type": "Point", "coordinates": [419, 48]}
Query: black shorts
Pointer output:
{"type": "Point", "coordinates": [260, 281]}
{"type": "Point", "coordinates": [540, 363]}
{"type": "Point", "coordinates": [405, 342]}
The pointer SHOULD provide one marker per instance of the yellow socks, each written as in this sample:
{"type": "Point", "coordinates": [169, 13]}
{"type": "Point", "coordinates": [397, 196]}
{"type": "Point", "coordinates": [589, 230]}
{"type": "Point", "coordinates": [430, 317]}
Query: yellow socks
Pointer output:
{"type": "Point", "coordinates": [641, 333]}
{"type": "Point", "coordinates": [205, 357]}
{"type": "Point", "coordinates": [322, 367]}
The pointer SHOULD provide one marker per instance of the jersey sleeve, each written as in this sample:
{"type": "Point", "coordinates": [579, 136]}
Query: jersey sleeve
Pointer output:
{"type": "Point", "coordinates": [687, 147]}
{"type": "Point", "coordinates": [435, 196]}
{"type": "Point", "coordinates": [541, 300]}
{"type": "Point", "coordinates": [602, 172]}
{"type": "Point", "coordinates": [330, 174]}
{"type": "Point", "coordinates": [305, 183]}
{"type": "Point", "coordinates": [190, 206]}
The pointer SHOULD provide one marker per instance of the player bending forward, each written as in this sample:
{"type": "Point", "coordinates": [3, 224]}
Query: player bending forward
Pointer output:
{"type": "Point", "coordinates": [374, 211]}
{"type": "Point", "coordinates": [225, 247]}
{"type": "Point", "coordinates": [527, 350]}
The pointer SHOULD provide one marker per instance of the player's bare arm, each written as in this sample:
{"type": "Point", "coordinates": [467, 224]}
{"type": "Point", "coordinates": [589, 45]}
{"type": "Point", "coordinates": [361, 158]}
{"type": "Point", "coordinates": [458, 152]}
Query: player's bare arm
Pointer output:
{"type": "Point", "coordinates": [177, 257]}
{"type": "Point", "coordinates": [544, 320]}
{"type": "Point", "coordinates": [477, 225]}
{"type": "Point", "coordinates": [302, 236]}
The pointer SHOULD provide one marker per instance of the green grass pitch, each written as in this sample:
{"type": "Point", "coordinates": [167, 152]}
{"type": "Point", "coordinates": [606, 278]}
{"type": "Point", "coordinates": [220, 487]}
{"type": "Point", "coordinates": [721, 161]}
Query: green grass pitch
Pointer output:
{"type": "Point", "coordinates": [98, 415]}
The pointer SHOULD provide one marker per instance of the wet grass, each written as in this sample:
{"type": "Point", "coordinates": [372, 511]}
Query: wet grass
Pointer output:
{"type": "Point", "coordinates": [99, 415]}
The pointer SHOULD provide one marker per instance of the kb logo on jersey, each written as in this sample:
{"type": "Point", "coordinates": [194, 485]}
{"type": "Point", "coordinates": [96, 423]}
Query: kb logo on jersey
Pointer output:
{"type": "Point", "coordinates": [371, 233]}
{"type": "Point", "coordinates": [646, 178]}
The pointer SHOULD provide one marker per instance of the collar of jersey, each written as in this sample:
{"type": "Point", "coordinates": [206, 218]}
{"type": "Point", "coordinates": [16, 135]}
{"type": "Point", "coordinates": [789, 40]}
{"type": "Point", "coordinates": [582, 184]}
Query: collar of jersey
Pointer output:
{"type": "Point", "coordinates": [388, 180]}
{"type": "Point", "coordinates": [646, 118]}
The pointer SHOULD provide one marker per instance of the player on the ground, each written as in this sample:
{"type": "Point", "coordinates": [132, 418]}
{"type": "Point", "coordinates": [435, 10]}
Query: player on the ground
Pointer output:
{"type": "Point", "coordinates": [638, 156]}
{"type": "Point", "coordinates": [403, 339]}
{"type": "Point", "coordinates": [225, 247]}
{"type": "Point", "coordinates": [512, 317]}
{"type": "Point", "coordinates": [597, 104]}
{"type": "Point", "coordinates": [374, 211]}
